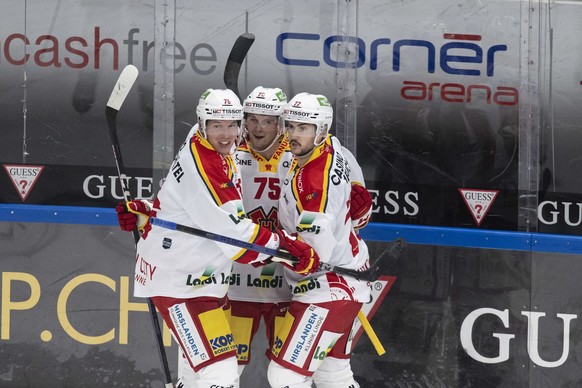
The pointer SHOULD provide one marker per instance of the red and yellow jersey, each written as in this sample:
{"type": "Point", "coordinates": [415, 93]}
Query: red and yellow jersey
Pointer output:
{"type": "Point", "coordinates": [202, 190]}
{"type": "Point", "coordinates": [261, 188]}
{"type": "Point", "coordinates": [314, 204]}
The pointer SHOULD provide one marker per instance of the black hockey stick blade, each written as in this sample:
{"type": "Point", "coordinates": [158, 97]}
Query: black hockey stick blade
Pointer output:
{"type": "Point", "coordinates": [234, 62]}
{"type": "Point", "coordinates": [393, 252]}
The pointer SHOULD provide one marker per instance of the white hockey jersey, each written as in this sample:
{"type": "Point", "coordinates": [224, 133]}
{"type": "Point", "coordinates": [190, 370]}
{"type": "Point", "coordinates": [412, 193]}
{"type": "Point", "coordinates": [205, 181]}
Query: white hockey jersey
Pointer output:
{"type": "Point", "coordinates": [261, 188]}
{"type": "Point", "coordinates": [315, 204]}
{"type": "Point", "coordinates": [202, 190]}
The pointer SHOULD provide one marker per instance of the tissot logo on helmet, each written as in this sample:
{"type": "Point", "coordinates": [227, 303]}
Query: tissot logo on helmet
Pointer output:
{"type": "Point", "coordinates": [297, 113]}
{"type": "Point", "coordinates": [260, 105]}
{"type": "Point", "coordinates": [265, 101]}
{"type": "Point", "coordinates": [226, 111]}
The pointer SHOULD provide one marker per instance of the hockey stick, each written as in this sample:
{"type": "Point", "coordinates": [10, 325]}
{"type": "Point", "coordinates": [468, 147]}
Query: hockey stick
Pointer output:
{"type": "Point", "coordinates": [237, 56]}
{"type": "Point", "coordinates": [371, 333]}
{"type": "Point", "coordinates": [370, 274]}
{"type": "Point", "coordinates": [392, 252]}
{"type": "Point", "coordinates": [120, 91]}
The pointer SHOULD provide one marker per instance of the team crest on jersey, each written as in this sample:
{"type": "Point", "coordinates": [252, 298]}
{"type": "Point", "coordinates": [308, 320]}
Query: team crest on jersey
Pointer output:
{"type": "Point", "coordinates": [269, 220]}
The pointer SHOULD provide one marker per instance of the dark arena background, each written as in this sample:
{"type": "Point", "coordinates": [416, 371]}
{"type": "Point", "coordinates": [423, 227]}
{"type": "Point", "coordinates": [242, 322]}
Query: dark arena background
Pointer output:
{"type": "Point", "coordinates": [466, 117]}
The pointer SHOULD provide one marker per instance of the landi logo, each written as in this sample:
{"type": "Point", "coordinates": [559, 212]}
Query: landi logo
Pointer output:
{"type": "Point", "coordinates": [23, 177]}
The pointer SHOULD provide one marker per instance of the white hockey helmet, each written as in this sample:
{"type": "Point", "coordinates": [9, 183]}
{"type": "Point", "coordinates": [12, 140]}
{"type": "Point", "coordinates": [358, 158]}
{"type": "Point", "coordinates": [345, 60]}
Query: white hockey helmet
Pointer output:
{"type": "Point", "coordinates": [265, 101]}
{"type": "Point", "coordinates": [312, 109]}
{"type": "Point", "coordinates": [218, 104]}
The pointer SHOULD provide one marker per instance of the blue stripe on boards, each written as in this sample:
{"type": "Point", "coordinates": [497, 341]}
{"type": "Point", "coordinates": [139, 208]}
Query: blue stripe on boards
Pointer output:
{"type": "Point", "coordinates": [375, 231]}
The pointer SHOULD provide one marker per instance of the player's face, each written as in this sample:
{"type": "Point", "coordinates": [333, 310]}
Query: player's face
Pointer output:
{"type": "Point", "coordinates": [222, 134]}
{"type": "Point", "coordinates": [262, 130]}
{"type": "Point", "coordinates": [300, 136]}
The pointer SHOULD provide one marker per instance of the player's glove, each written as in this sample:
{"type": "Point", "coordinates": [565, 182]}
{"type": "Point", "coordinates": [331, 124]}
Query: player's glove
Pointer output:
{"type": "Point", "coordinates": [360, 206]}
{"type": "Point", "coordinates": [258, 264]}
{"type": "Point", "coordinates": [134, 213]}
{"type": "Point", "coordinates": [308, 260]}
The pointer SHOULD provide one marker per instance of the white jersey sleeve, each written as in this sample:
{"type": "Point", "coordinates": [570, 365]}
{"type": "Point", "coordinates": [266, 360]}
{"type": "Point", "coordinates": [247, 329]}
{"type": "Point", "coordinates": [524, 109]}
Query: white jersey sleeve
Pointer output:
{"type": "Point", "coordinates": [201, 191]}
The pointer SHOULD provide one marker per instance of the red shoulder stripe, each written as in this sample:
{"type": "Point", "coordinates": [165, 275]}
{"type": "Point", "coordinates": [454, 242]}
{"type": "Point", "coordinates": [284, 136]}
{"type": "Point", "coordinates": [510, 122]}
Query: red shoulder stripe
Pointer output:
{"type": "Point", "coordinates": [217, 171]}
{"type": "Point", "coordinates": [310, 185]}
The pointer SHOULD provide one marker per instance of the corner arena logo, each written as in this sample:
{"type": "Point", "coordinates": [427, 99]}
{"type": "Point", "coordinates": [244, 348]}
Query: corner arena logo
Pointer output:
{"type": "Point", "coordinates": [459, 54]}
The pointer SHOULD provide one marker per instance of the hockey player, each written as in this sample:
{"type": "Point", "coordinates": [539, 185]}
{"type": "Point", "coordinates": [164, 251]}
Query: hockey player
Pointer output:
{"type": "Point", "coordinates": [264, 158]}
{"type": "Point", "coordinates": [312, 343]}
{"type": "Point", "coordinates": [187, 277]}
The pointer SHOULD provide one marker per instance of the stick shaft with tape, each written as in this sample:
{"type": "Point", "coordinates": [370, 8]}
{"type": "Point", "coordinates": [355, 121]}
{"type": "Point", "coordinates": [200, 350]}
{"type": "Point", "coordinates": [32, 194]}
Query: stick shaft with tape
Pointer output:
{"type": "Point", "coordinates": [122, 87]}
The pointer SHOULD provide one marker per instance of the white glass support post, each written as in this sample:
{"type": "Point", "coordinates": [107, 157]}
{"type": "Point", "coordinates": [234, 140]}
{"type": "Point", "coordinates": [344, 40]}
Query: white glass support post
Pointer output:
{"type": "Point", "coordinates": [347, 55]}
{"type": "Point", "coordinates": [163, 120]}
{"type": "Point", "coordinates": [529, 114]}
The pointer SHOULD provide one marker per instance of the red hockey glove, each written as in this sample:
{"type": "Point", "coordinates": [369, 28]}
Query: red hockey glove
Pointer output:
{"type": "Point", "coordinates": [360, 206]}
{"type": "Point", "coordinates": [136, 213]}
{"type": "Point", "coordinates": [308, 260]}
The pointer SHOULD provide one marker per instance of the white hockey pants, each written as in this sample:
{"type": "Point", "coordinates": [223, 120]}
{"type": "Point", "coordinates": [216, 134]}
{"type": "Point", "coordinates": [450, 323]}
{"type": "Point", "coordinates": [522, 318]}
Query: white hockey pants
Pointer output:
{"type": "Point", "coordinates": [221, 374]}
{"type": "Point", "coordinates": [334, 373]}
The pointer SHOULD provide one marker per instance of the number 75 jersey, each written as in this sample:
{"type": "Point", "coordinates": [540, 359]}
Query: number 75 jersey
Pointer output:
{"type": "Point", "coordinates": [261, 186]}
{"type": "Point", "coordinates": [261, 182]}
